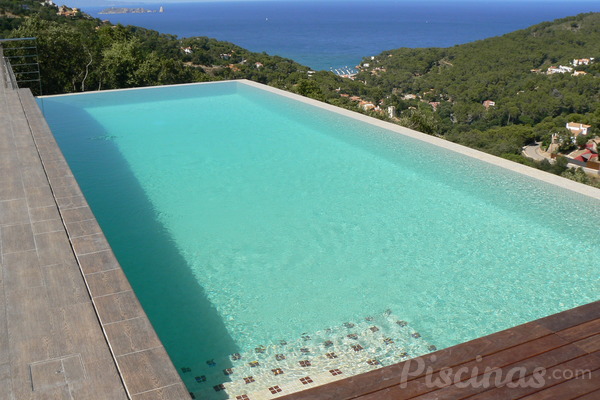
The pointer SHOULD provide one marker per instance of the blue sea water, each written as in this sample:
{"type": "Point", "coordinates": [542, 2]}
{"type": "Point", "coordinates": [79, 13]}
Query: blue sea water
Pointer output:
{"type": "Point", "coordinates": [333, 33]}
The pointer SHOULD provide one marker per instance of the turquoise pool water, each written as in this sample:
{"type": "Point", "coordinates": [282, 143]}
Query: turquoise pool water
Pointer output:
{"type": "Point", "coordinates": [243, 218]}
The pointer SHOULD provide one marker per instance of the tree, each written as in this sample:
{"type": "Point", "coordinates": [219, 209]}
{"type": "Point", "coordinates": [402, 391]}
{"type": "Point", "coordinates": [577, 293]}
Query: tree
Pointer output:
{"type": "Point", "coordinates": [420, 120]}
{"type": "Point", "coordinates": [120, 62]}
{"type": "Point", "coordinates": [64, 55]}
{"type": "Point", "coordinates": [310, 88]}
{"type": "Point", "coordinates": [581, 141]}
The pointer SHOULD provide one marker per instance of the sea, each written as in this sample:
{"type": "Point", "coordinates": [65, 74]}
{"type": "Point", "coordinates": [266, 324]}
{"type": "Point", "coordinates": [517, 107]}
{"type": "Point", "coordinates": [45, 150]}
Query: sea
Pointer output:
{"type": "Point", "coordinates": [337, 34]}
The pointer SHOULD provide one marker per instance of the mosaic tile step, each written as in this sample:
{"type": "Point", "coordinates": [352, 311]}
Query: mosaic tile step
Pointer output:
{"type": "Point", "coordinates": [276, 369]}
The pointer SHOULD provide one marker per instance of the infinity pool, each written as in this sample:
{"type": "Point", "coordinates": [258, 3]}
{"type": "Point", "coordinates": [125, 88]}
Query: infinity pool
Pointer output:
{"type": "Point", "coordinates": [253, 226]}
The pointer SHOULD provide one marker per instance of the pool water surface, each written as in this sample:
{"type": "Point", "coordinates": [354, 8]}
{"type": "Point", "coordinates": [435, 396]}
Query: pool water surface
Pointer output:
{"type": "Point", "coordinates": [254, 226]}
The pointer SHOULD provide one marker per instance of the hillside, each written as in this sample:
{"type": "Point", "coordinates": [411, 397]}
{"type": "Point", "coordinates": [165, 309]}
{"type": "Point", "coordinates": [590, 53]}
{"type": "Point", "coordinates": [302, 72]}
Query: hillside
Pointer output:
{"type": "Point", "coordinates": [78, 52]}
{"type": "Point", "coordinates": [440, 91]}
{"type": "Point", "coordinates": [528, 104]}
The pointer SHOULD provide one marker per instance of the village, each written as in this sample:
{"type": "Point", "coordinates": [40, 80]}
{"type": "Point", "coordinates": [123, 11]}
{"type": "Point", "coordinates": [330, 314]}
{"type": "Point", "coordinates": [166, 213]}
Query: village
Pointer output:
{"type": "Point", "coordinates": [575, 135]}
{"type": "Point", "coordinates": [562, 69]}
{"type": "Point", "coordinates": [583, 148]}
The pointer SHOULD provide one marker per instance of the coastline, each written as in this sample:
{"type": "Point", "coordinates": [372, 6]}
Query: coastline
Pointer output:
{"type": "Point", "coordinates": [331, 34]}
{"type": "Point", "coordinates": [127, 10]}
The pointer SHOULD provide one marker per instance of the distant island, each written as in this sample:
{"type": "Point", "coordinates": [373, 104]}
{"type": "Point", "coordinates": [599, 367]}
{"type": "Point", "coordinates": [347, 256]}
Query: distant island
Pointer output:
{"type": "Point", "coordinates": [124, 10]}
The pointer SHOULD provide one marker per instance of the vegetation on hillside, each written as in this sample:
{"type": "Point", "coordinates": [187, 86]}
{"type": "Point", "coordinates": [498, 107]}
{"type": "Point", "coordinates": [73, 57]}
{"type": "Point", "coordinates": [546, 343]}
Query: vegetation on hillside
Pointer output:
{"type": "Point", "coordinates": [79, 53]}
{"type": "Point", "coordinates": [450, 86]}
{"type": "Point", "coordinates": [462, 77]}
{"type": "Point", "coordinates": [440, 91]}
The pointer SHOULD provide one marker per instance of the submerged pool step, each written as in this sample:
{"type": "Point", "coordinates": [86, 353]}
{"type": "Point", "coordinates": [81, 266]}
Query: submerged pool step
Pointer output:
{"type": "Point", "coordinates": [316, 358]}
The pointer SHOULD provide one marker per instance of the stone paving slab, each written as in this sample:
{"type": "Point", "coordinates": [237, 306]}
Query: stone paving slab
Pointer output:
{"type": "Point", "coordinates": [70, 325]}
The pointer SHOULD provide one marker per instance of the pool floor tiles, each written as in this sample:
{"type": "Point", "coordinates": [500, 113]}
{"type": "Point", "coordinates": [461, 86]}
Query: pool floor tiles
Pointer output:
{"type": "Point", "coordinates": [289, 366]}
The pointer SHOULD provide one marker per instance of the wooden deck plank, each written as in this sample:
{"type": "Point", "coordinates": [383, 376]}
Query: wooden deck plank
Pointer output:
{"type": "Point", "coordinates": [497, 377]}
{"type": "Point", "coordinates": [590, 344]}
{"type": "Point", "coordinates": [572, 317]}
{"type": "Point", "coordinates": [595, 395]}
{"type": "Point", "coordinates": [498, 360]}
{"type": "Point", "coordinates": [553, 376]}
{"type": "Point", "coordinates": [560, 338]}
{"type": "Point", "coordinates": [570, 389]}
{"type": "Point", "coordinates": [581, 331]}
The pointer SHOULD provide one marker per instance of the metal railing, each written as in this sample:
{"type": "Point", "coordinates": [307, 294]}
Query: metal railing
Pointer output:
{"type": "Point", "coordinates": [20, 63]}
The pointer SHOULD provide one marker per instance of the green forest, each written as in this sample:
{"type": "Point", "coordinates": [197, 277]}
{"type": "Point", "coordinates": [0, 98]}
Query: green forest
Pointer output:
{"type": "Point", "coordinates": [508, 70]}
{"type": "Point", "coordinates": [439, 91]}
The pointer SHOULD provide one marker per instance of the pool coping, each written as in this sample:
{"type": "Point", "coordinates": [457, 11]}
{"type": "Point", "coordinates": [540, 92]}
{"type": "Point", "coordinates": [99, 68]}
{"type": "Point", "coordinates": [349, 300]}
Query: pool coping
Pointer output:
{"type": "Point", "coordinates": [439, 142]}
{"type": "Point", "coordinates": [144, 367]}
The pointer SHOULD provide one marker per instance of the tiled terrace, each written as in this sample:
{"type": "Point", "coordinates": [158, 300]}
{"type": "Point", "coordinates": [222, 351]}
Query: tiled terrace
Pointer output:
{"type": "Point", "coordinates": [71, 327]}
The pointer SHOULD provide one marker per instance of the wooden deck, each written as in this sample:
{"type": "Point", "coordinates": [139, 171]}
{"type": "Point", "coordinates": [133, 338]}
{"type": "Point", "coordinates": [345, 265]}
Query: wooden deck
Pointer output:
{"type": "Point", "coordinates": [565, 345]}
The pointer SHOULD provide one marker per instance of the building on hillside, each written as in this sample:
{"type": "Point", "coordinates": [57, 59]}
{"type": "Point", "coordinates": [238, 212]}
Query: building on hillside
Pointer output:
{"type": "Point", "coordinates": [391, 110]}
{"type": "Point", "coordinates": [489, 103]}
{"type": "Point", "coordinates": [583, 61]}
{"type": "Point", "coordinates": [586, 155]}
{"type": "Point", "coordinates": [561, 69]}
{"type": "Point", "coordinates": [577, 128]}
{"type": "Point", "coordinates": [365, 105]}
{"type": "Point", "coordinates": [579, 73]}
{"type": "Point", "coordinates": [434, 104]}
{"type": "Point", "coordinates": [67, 12]}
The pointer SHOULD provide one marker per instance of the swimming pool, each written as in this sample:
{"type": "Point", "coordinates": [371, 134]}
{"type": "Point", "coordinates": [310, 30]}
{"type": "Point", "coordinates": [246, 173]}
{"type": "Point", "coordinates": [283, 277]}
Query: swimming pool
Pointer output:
{"type": "Point", "coordinates": [258, 228]}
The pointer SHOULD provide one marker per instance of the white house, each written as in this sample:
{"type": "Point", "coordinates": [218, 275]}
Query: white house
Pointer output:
{"type": "Point", "coordinates": [561, 69]}
{"type": "Point", "coordinates": [577, 128]}
{"type": "Point", "coordinates": [583, 61]}
{"type": "Point", "coordinates": [489, 103]}
{"type": "Point", "coordinates": [366, 105]}
{"type": "Point", "coordinates": [391, 110]}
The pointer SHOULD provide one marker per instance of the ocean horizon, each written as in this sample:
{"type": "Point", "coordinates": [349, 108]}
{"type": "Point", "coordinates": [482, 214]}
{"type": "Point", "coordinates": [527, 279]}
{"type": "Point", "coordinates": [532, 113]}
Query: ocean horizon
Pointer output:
{"type": "Point", "coordinates": [334, 34]}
